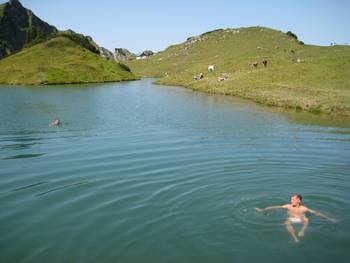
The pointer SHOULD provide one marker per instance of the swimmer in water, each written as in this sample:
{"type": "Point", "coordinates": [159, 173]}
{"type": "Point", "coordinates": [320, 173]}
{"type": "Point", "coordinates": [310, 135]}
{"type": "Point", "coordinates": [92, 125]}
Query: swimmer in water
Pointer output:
{"type": "Point", "coordinates": [296, 214]}
{"type": "Point", "coordinates": [55, 122]}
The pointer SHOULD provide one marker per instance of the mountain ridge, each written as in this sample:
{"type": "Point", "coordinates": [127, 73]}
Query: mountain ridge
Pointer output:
{"type": "Point", "coordinates": [20, 26]}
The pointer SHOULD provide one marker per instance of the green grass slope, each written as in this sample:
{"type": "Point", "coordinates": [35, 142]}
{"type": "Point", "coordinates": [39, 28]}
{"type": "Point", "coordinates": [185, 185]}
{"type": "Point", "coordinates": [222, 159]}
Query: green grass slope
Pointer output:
{"type": "Point", "coordinates": [302, 77]}
{"type": "Point", "coordinates": [57, 61]}
{"type": "Point", "coordinates": [2, 7]}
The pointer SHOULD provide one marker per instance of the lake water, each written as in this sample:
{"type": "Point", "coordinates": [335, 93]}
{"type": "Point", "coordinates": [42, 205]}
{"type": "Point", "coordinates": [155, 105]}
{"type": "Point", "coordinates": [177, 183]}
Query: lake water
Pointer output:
{"type": "Point", "coordinates": [147, 173]}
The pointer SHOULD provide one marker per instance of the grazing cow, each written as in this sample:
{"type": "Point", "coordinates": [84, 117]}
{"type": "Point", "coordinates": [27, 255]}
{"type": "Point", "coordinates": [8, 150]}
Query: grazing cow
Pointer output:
{"type": "Point", "coordinates": [253, 64]}
{"type": "Point", "coordinates": [197, 77]}
{"type": "Point", "coordinates": [264, 62]}
{"type": "Point", "coordinates": [211, 68]}
{"type": "Point", "coordinates": [223, 77]}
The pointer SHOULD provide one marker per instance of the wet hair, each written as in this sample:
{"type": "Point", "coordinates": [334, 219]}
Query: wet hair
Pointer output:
{"type": "Point", "coordinates": [298, 196]}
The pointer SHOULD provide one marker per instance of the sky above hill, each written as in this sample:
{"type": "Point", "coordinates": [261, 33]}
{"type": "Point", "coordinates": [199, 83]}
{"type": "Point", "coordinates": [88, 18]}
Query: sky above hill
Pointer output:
{"type": "Point", "coordinates": [155, 24]}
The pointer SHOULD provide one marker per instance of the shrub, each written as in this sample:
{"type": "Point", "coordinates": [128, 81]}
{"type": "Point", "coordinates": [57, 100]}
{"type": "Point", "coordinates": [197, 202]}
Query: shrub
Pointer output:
{"type": "Point", "coordinates": [291, 34]}
{"type": "Point", "coordinates": [81, 40]}
{"type": "Point", "coordinates": [125, 67]}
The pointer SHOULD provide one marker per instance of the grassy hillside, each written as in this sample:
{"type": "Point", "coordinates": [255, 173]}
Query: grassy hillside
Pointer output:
{"type": "Point", "coordinates": [2, 7]}
{"type": "Point", "coordinates": [59, 60]}
{"type": "Point", "coordinates": [302, 77]}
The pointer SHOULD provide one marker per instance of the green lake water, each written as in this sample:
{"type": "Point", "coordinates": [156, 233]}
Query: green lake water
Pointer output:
{"type": "Point", "coordinates": [146, 173]}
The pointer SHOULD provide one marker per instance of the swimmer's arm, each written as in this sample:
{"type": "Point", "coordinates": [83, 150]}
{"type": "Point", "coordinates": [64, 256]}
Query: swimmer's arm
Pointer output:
{"type": "Point", "coordinates": [270, 208]}
{"type": "Point", "coordinates": [316, 213]}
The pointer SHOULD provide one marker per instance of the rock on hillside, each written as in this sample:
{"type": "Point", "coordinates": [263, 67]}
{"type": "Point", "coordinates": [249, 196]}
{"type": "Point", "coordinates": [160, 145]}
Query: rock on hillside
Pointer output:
{"type": "Point", "coordinates": [147, 53]}
{"type": "Point", "coordinates": [105, 53]}
{"type": "Point", "coordinates": [19, 26]}
{"type": "Point", "coordinates": [119, 55]}
{"type": "Point", "coordinates": [122, 54]}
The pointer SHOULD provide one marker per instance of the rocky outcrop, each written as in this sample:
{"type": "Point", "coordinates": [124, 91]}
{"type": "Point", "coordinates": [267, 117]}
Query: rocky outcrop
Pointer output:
{"type": "Point", "coordinates": [105, 53]}
{"type": "Point", "coordinates": [147, 53]}
{"type": "Point", "coordinates": [19, 27]}
{"type": "Point", "coordinates": [119, 55]}
{"type": "Point", "coordinates": [122, 54]}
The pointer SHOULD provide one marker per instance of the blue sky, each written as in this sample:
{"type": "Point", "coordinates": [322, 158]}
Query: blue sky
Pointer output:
{"type": "Point", "coordinates": [154, 24]}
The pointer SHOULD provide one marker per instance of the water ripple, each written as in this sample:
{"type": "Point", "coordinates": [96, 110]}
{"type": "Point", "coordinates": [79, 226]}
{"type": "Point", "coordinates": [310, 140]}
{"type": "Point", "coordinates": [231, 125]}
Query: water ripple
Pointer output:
{"type": "Point", "coordinates": [139, 168]}
{"type": "Point", "coordinates": [22, 156]}
{"type": "Point", "coordinates": [63, 187]}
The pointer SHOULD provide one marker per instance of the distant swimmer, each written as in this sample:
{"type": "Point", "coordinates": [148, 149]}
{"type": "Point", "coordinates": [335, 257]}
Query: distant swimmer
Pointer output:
{"type": "Point", "coordinates": [55, 122]}
{"type": "Point", "coordinates": [296, 215]}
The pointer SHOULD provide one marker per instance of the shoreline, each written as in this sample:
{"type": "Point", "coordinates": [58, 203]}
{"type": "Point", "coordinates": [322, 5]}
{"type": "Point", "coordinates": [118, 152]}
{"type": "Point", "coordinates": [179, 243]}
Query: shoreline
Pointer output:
{"type": "Point", "coordinates": [67, 83]}
{"type": "Point", "coordinates": [263, 100]}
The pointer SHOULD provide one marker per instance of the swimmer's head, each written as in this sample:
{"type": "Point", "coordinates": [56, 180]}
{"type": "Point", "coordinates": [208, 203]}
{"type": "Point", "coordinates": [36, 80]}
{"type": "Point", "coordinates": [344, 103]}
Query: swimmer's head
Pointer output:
{"type": "Point", "coordinates": [296, 199]}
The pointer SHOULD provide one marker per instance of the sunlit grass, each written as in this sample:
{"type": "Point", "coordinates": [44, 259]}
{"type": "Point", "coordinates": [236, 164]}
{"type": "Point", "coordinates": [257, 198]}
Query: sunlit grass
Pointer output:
{"type": "Point", "coordinates": [2, 8]}
{"type": "Point", "coordinates": [58, 61]}
{"type": "Point", "coordinates": [300, 77]}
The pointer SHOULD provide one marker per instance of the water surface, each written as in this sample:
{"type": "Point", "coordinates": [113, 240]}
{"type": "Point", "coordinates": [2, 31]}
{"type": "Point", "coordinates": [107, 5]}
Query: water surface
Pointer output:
{"type": "Point", "coordinates": [147, 173]}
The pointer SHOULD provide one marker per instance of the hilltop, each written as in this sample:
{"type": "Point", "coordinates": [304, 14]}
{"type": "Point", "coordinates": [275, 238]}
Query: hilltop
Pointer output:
{"type": "Point", "coordinates": [34, 52]}
{"type": "Point", "coordinates": [297, 76]}
{"type": "Point", "coordinates": [60, 60]}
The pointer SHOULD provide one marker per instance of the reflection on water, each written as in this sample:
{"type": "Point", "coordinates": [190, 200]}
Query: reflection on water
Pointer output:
{"type": "Point", "coordinates": [145, 173]}
{"type": "Point", "coordinates": [28, 186]}
{"type": "Point", "coordinates": [21, 156]}
{"type": "Point", "coordinates": [323, 121]}
{"type": "Point", "coordinates": [17, 146]}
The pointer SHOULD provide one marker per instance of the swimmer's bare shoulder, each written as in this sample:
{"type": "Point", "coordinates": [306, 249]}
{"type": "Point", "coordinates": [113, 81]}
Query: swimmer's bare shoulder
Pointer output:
{"type": "Point", "coordinates": [304, 208]}
{"type": "Point", "coordinates": [287, 206]}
